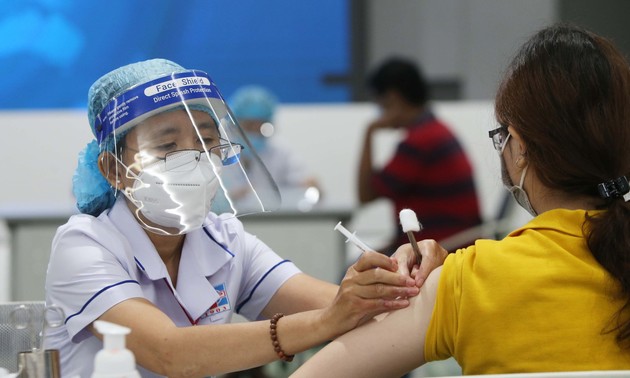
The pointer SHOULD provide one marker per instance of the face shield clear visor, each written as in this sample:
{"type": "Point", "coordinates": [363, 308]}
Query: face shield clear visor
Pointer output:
{"type": "Point", "coordinates": [176, 154]}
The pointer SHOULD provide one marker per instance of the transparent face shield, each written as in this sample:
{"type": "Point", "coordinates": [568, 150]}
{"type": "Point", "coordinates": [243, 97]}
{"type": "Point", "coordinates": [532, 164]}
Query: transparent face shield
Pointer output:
{"type": "Point", "coordinates": [175, 151]}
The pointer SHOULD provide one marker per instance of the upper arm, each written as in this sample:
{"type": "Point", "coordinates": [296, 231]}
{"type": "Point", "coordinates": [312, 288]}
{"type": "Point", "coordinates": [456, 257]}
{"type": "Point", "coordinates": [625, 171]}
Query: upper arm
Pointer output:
{"type": "Point", "coordinates": [85, 278]}
{"type": "Point", "coordinates": [387, 346]}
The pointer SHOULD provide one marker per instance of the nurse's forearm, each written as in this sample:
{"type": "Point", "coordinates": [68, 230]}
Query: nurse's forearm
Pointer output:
{"type": "Point", "coordinates": [301, 293]}
{"type": "Point", "coordinates": [203, 350]}
{"type": "Point", "coordinates": [217, 349]}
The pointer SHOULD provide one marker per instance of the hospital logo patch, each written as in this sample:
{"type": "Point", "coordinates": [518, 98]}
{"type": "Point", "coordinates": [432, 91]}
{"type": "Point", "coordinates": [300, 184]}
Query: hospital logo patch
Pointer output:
{"type": "Point", "coordinates": [222, 304]}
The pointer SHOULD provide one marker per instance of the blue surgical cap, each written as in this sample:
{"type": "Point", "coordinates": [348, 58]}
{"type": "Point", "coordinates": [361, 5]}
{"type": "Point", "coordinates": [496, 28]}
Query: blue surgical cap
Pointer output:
{"type": "Point", "coordinates": [253, 102]}
{"type": "Point", "coordinates": [91, 190]}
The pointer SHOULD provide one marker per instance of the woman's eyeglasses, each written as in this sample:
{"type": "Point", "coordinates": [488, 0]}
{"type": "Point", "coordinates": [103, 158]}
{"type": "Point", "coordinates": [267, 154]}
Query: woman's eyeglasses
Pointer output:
{"type": "Point", "coordinates": [499, 137]}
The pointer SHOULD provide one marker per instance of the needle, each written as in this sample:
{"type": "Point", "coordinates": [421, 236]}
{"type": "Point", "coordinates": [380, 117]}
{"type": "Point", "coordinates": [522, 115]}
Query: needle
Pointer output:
{"type": "Point", "coordinates": [410, 223]}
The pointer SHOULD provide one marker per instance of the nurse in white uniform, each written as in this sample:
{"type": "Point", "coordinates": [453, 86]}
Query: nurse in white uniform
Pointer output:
{"type": "Point", "coordinates": [255, 107]}
{"type": "Point", "coordinates": [149, 251]}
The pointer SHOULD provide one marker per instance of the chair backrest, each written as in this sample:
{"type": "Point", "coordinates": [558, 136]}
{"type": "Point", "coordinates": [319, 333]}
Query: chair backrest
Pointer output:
{"type": "Point", "coordinates": [16, 335]}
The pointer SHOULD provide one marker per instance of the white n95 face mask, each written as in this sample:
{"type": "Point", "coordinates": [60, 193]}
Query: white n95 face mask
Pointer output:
{"type": "Point", "coordinates": [517, 191]}
{"type": "Point", "coordinates": [176, 193]}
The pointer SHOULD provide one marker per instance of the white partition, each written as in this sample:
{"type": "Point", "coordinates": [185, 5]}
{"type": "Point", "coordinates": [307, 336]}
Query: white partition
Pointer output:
{"type": "Point", "coordinates": [38, 149]}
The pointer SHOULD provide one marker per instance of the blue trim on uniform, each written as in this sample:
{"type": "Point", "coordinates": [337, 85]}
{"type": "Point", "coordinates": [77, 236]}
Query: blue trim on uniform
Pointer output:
{"type": "Point", "coordinates": [238, 307]}
{"type": "Point", "coordinates": [97, 294]}
{"type": "Point", "coordinates": [214, 240]}
{"type": "Point", "coordinates": [139, 264]}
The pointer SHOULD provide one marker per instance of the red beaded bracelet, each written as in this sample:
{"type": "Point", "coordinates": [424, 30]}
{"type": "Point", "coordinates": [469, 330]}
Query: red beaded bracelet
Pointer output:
{"type": "Point", "coordinates": [274, 339]}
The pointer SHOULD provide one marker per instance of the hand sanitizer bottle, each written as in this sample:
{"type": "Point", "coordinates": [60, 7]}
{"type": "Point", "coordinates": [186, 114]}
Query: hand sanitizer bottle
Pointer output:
{"type": "Point", "coordinates": [114, 360]}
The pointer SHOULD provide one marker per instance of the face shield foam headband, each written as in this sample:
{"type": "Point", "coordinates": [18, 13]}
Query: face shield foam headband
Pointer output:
{"type": "Point", "coordinates": [187, 88]}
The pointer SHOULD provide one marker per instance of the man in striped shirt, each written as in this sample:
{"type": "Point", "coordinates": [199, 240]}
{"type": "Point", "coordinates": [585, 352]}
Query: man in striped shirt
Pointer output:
{"type": "Point", "coordinates": [429, 172]}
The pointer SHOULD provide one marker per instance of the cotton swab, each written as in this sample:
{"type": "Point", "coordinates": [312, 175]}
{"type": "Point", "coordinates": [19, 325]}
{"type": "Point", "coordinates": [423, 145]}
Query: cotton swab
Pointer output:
{"type": "Point", "coordinates": [409, 223]}
{"type": "Point", "coordinates": [352, 238]}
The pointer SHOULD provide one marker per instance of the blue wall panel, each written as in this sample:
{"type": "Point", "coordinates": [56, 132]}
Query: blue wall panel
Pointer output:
{"type": "Point", "coordinates": [52, 50]}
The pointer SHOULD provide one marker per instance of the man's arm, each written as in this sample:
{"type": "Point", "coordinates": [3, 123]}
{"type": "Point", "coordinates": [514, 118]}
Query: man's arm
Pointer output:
{"type": "Point", "coordinates": [366, 193]}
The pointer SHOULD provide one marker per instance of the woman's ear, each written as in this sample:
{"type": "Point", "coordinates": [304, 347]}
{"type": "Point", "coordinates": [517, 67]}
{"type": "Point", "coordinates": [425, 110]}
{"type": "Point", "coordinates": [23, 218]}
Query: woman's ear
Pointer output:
{"type": "Point", "coordinates": [107, 165]}
{"type": "Point", "coordinates": [522, 149]}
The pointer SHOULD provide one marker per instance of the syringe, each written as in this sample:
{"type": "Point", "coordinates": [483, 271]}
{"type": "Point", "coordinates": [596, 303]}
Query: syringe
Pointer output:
{"type": "Point", "coordinates": [352, 238]}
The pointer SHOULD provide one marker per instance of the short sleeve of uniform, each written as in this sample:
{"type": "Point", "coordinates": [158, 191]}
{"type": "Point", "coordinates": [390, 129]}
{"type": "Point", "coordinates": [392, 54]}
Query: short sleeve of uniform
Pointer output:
{"type": "Point", "coordinates": [265, 274]}
{"type": "Point", "coordinates": [84, 277]}
{"type": "Point", "coordinates": [441, 334]}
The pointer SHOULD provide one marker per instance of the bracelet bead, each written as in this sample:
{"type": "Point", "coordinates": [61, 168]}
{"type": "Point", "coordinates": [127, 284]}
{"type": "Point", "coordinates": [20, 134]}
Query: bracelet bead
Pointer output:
{"type": "Point", "coordinates": [273, 325]}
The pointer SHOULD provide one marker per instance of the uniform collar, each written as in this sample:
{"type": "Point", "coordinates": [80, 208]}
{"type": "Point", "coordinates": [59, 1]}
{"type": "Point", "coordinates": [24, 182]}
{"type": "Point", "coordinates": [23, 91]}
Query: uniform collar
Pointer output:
{"type": "Point", "coordinates": [202, 256]}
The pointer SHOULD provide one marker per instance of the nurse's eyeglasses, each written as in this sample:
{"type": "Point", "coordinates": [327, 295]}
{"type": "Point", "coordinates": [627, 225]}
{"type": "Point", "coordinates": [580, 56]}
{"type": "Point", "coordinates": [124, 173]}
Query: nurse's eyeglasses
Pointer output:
{"type": "Point", "coordinates": [181, 160]}
{"type": "Point", "coordinates": [499, 137]}
{"type": "Point", "coordinates": [228, 153]}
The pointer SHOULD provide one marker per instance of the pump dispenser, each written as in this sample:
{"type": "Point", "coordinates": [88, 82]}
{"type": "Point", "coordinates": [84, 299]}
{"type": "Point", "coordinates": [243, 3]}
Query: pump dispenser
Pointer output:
{"type": "Point", "coordinates": [114, 360]}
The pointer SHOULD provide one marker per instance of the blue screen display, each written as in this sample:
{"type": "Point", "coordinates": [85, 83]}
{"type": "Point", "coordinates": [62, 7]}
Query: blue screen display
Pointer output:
{"type": "Point", "coordinates": [51, 51]}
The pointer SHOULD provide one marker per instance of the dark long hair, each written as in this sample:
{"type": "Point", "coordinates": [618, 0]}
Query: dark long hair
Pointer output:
{"type": "Point", "coordinates": [567, 93]}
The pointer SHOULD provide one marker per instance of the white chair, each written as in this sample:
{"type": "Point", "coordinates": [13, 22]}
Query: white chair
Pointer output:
{"type": "Point", "coordinates": [16, 335]}
{"type": "Point", "coordinates": [568, 374]}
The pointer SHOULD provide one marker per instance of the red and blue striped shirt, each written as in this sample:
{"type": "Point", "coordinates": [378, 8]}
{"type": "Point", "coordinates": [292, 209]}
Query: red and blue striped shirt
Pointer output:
{"type": "Point", "coordinates": [431, 175]}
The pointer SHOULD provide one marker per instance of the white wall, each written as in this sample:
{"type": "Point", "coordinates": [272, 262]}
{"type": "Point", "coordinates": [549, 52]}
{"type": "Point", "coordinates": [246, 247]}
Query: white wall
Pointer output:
{"type": "Point", "coordinates": [39, 153]}
{"type": "Point", "coordinates": [39, 149]}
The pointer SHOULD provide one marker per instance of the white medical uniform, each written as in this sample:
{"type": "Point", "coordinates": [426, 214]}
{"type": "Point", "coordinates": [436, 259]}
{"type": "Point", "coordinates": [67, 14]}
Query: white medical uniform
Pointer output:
{"type": "Point", "coordinates": [96, 263]}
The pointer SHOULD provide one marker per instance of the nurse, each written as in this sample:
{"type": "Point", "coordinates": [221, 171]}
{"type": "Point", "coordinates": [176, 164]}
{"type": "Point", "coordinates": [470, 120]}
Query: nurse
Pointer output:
{"type": "Point", "coordinates": [158, 247]}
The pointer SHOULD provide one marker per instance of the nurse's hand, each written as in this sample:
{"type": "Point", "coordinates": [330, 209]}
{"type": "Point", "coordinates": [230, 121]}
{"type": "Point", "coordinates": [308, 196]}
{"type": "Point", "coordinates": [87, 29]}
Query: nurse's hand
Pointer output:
{"type": "Point", "coordinates": [371, 286]}
{"type": "Point", "coordinates": [433, 255]}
